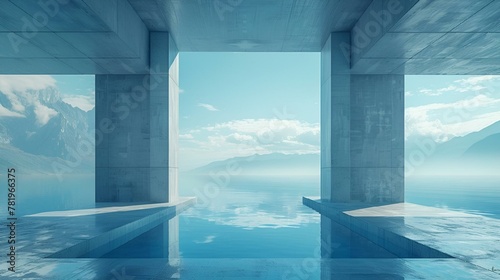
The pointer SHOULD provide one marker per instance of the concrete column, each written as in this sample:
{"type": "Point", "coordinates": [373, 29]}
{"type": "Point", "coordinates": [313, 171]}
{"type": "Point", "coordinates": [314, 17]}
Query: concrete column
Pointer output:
{"type": "Point", "coordinates": [335, 118]}
{"type": "Point", "coordinates": [362, 130]}
{"type": "Point", "coordinates": [137, 129]}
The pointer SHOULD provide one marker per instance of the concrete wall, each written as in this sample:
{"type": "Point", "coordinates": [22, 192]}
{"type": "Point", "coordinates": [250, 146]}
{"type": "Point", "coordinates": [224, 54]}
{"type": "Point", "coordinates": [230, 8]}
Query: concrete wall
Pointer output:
{"type": "Point", "coordinates": [377, 138]}
{"type": "Point", "coordinates": [137, 129]}
{"type": "Point", "coordinates": [362, 130]}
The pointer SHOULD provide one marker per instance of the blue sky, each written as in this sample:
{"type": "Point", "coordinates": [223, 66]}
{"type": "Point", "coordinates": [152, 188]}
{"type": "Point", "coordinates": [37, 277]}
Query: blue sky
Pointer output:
{"type": "Point", "coordinates": [77, 90]}
{"type": "Point", "coordinates": [239, 104]}
{"type": "Point", "coordinates": [443, 107]}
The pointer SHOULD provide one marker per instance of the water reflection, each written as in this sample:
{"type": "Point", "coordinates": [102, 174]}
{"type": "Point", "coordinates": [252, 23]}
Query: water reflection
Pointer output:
{"type": "Point", "coordinates": [340, 242]}
{"type": "Point", "coordinates": [43, 193]}
{"type": "Point", "coordinates": [160, 242]}
{"type": "Point", "coordinates": [261, 216]}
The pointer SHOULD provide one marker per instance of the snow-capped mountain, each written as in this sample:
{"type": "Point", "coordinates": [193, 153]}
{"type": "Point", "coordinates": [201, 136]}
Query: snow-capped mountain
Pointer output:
{"type": "Point", "coordinates": [38, 123]}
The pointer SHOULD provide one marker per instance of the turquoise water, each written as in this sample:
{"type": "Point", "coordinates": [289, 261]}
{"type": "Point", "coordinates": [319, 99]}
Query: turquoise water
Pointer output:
{"type": "Point", "coordinates": [43, 193]}
{"type": "Point", "coordinates": [250, 217]}
{"type": "Point", "coordinates": [475, 195]}
{"type": "Point", "coordinates": [253, 217]}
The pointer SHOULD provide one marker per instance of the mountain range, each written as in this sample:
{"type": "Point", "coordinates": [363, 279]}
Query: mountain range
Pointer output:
{"type": "Point", "coordinates": [477, 153]}
{"type": "Point", "coordinates": [266, 164]}
{"type": "Point", "coordinates": [43, 131]}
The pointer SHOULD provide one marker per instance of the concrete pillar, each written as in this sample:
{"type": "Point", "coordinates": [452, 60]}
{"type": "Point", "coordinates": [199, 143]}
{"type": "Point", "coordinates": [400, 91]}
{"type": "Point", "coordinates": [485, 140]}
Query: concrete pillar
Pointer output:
{"type": "Point", "coordinates": [137, 129]}
{"type": "Point", "coordinates": [362, 130]}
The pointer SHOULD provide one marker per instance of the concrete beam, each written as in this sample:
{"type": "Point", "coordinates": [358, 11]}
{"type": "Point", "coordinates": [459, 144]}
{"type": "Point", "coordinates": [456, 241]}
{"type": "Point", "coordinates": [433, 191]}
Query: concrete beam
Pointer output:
{"type": "Point", "coordinates": [426, 37]}
{"type": "Point", "coordinates": [81, 36]}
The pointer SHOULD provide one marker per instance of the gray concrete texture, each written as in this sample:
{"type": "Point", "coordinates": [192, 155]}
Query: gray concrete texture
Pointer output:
{"type": "Point", "coordinates": [137, 157]}
{"type": "Point", "coordinates": [388, 36]}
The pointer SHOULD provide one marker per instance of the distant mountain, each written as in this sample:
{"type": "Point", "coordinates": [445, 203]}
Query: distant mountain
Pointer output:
{"type": "Point", "coordinates": [485, 148]}
{"type": "Point", "coordinates": [457, 146]}
{"type": "Point", "coordinates": [477, 153]}
{"type": "Point", "coordinates": [268, 164]}
{"type": "Point", "coordinates": [49, 130]}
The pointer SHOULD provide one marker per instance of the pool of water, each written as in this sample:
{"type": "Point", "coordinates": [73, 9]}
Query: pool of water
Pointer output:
{"type": "Point", "coordinates": [263, 217]}
{"type": "Point", "coordinates": [253, 217]}
{"type": "Point", "coordinates": [250, 218]}
{"type": "Point", "coordinates": [43, 193]}
{"type": "Point", "coordinates": [475, 195]}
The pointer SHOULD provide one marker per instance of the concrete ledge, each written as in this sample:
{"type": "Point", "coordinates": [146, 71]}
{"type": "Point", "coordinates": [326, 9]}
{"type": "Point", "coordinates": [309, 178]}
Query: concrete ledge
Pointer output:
{"type": "Point", "coordinates": [116, 237]}
{"type": "Point", "coordinates": [398, 245]}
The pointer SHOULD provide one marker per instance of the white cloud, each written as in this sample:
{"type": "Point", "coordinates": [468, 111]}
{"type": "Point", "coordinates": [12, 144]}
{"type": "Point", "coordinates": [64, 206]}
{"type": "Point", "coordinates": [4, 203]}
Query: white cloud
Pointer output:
{"type": "Point", "coordinates": [22, 83]}
{"type": "Point", "coordinates": [44, 114]}
{"type": "Point", "coordinates": [14, 101]}
{"type": "Point", "coordinates": [84, 102]}
{"type": "Point", "coordinates": [208, 107]}
{"type": "Point", "coordinates": [238, 138]}
{"type": "Point", "coordinates": [186, 136]}
{"type": "Point", "coordinates": [262, 127]}
{"type": "Point", "coordinates": [470, 84]}
{"type": "Point", "coordinates": [17, 90]}
{"type": "Point", "coordinates": [227, 209]}
{"type": "Point", "coordinates": [208, 239]}
{"type": "Point", "coordinates": [443, 121]}
{"type": "Point", "coordinates": [248, 137]}
{"type": "Point", "coordinates": [261, 219]}
{"type": "Point", "coordinates": [4, 112]}
{"type": "Point", "coordinates": [478, 79]}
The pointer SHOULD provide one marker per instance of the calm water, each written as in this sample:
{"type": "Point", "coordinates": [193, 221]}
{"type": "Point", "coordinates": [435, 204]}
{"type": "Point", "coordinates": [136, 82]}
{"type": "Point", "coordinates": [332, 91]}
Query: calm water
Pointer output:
{"type": "Point", "coordinates": [263, 217]}
{"type": "Point", "coordinates": [42, 193]}
{"type": "Point", "coordinates": [476, 195]}
{"type": "Point", "coordinates": [250, 217]}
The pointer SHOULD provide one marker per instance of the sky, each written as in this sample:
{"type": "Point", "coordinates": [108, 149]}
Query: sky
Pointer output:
{"type": "Point", "coordinates": [240, 104]}
{"type": "Point", "coordinates": [443, 107]}
{"type": "Point", "coordinates": [76, 90]}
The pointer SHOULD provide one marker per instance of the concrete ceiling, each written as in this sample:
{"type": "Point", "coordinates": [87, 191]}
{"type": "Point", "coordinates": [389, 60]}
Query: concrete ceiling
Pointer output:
{"type": "Point", "coordinates": [112, 36]}
{"type": "Point", "coordinates": [250, 25]}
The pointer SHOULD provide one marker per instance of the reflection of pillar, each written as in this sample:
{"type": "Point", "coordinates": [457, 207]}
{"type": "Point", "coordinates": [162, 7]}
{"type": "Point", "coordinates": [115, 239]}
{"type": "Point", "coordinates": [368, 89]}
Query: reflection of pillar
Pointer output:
{"type": "Point", "coordinates": [137, 129]}
{"type": "Point", "coordinates": [326, 238]}
{"type": "Point", "coordinates": [340, 242]}
{"type": "Point", "coordinates": [173, 242]}
{"type": "Point", "coordinates": [170, 246]}
{"type": "Point", "coordinates": [326, 270]}
{"type": "Point", "coordinates": [162, 241]}
{"type": "Point", "coordinates": [362, 130]}
{"type": "Point", "coordinates": [326, 247]}
{"type": "Point", "coordinates": [336, 240]}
